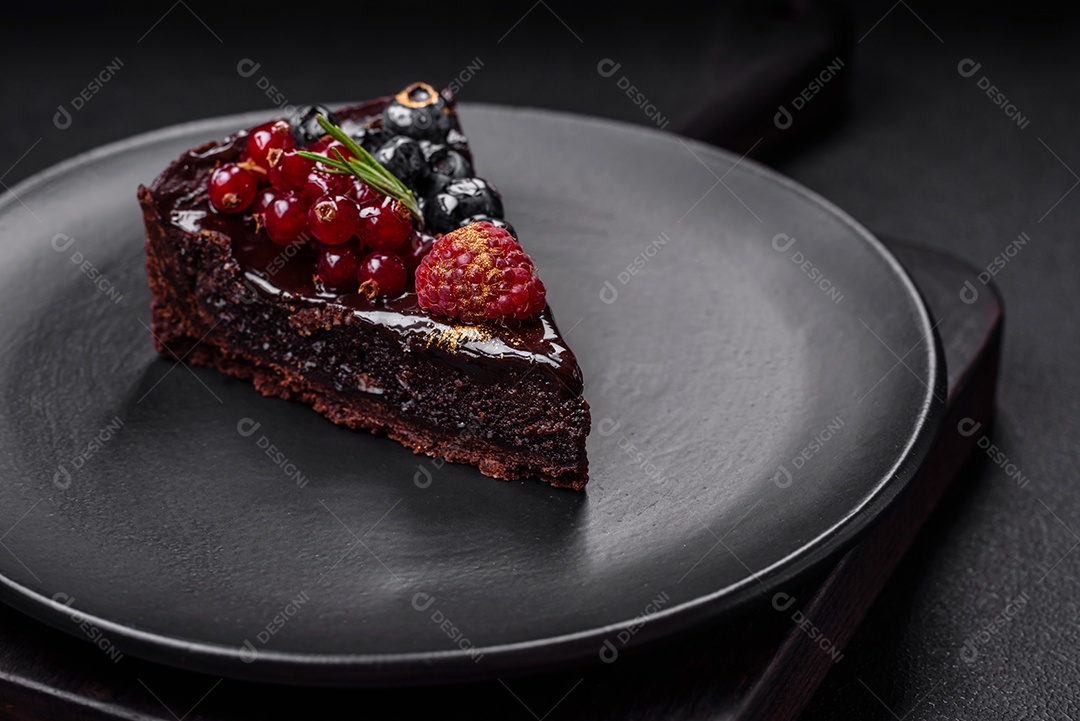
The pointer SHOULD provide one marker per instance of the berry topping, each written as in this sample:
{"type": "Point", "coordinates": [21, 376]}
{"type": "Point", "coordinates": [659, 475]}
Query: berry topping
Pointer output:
{"type": "Point", "coordinates": [382, 274]}
{"type": "Point", "coordinates": [263, 200]}
{"type": "Point", "coordinates": [319, 184]}
{"type": "Point", "coordinates": [332, 219]}
{"type": "Point", "coordinates": [331, 149]}
{"type": "Point", "coordinates": [497, 222]}
{"type": "Point", "coordinates": [372, 136]}
{"type": "Point", "coordinates": [288, 171]}
{"type": "Point", "coordinates": [435, 186]}
{"type": "Point", "coordinates": [267, 137]}
{"type": "Point", "coordinates": [479, 273]}
{"type": "Point", "coordinates": [305, 128]}
{"type": "Point", "coordinates": [320, 145]}
{"type": "Point", "coordinates": [444, 160]}
{"type": "Point", "coordinates": [456, 139]}
{"type": "Point", "coordinates": [461, 199]}
{"type": "Point", "coordinates": [361, 165]}
{"type": "Point", "coordinates": [338, 267]}
{"type": "Point", "coordinates": [418, 111]}
{"type": "Point", "coordinates": [385, 224]}
{"type": "Point", "coordinates": [418, 246]}
{"type": "Point", "coordinates": [361, 192]}
{"type": "Point", "coordinates": [231, 188]}
{"type": "Point", "coordinates": [286, 218]}
{"type": "Point", "coordinates": [404, 158]}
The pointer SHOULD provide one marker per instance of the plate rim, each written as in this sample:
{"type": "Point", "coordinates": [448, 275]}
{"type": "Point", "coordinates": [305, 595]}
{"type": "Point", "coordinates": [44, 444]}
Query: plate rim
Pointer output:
{"type": "Point", "coordinates": [537, 654]}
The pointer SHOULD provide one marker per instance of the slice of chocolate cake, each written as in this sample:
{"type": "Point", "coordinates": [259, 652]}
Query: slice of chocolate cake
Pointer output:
{"type": "Point", "coordinates": [352, 261]}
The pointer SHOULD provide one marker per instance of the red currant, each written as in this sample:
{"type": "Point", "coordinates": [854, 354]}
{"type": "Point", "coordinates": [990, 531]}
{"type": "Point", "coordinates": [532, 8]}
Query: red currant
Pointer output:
{"type": "Point", "coordinates": [332, 219]}
{"type": "Point", "coordinates": [338, 266]}
{"type": "Point", "coordinates": [385, 224]}
{"type": "Point", "coordinates": [263, 200]}
{"type": "Point", "coordinates": [319, 184]}
{"type": "Point", "coordinates": [269, 136]}
{"type": "Point", "coordinates": [286, 218]}
{"type": "Point", "coordinates": [328, 149]}
{"type": "Point", "coordinates": [321, 144]}
{"type": "Point", "coordinates": [362, 193]}
{"type": "Point", "coordinates": [288, 170]}
{"type": "Point", "coordinates": [386, 273]}
{"type": "Point", "coordinates": [419, 245]}
{"type": "Point", "coordinates": [231, 188]}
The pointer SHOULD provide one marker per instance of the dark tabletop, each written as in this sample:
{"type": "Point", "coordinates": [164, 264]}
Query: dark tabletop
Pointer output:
{"type": "Point", "coordinates": [981, 620]}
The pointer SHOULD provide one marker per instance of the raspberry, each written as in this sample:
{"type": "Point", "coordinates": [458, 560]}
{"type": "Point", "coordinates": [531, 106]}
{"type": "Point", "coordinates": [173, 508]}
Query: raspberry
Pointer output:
{"type": "Point", "coordinates": [479, 273]}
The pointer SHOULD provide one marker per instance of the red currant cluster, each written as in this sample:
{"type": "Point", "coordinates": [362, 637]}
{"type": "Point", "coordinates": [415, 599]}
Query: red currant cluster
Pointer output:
{"type": "Point", "coordinates": [365, 241]}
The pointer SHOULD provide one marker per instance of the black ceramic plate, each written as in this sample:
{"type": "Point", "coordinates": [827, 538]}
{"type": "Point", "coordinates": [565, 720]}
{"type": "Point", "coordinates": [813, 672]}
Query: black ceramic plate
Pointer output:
{"type": "Point", "coordinates": [763, 380]}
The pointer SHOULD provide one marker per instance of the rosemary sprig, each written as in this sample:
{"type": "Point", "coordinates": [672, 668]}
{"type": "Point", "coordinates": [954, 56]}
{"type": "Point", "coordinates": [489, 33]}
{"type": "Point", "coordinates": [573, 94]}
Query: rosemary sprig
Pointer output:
{"type": "Point", "coordinates": [364, 167]}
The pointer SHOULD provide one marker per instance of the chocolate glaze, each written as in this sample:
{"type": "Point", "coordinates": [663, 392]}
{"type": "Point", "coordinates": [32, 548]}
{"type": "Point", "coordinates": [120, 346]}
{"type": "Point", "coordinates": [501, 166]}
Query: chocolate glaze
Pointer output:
{"type": "Point", "coordinates": [287, 275]}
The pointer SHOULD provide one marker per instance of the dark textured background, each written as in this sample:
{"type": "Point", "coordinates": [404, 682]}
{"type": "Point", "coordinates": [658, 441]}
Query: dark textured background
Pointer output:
{"type": "Point", "coordinates": [923, 155]}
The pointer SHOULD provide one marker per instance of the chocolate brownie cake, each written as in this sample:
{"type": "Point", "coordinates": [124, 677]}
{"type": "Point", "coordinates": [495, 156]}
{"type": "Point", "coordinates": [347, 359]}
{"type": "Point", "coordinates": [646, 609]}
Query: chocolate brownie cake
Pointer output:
{"type": "Point", "coordinates": [352, 260]}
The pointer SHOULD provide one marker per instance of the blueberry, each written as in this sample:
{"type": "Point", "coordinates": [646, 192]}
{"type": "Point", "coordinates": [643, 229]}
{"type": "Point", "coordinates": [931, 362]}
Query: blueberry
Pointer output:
{"type": "Point", "coordinates": [403, 157]}
{"type": "Point", "coordinates": [436, 183]}
{"type": "Point", "coordinates": [419, 112]}
{"type": "Point", "coordinates": [428, 147]}
{"type": "Point", "coordinates": [497, 222]}
{"type": "Point", "coordinates": [305, 126]}
{"type": "Point", "coordinates": [456, 140]}
{"type": "Point", "coordinates": [446, 161]}
{"type": "Point", "coordinates": [371, 137]}
{"type": "Point", "coordinates": [460, 199]}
